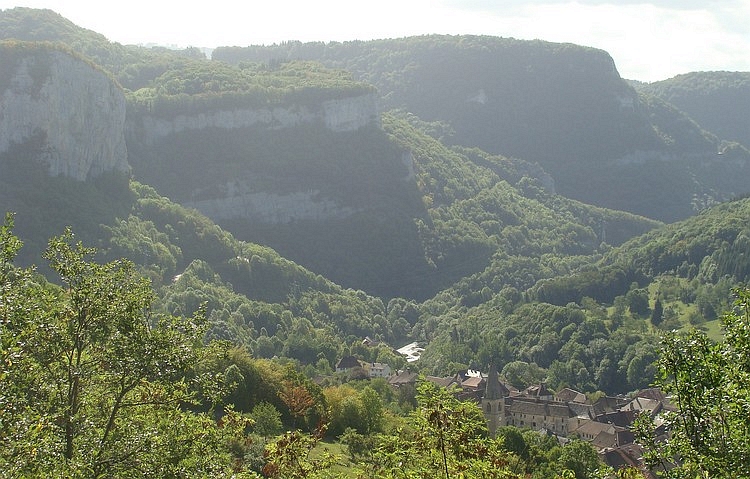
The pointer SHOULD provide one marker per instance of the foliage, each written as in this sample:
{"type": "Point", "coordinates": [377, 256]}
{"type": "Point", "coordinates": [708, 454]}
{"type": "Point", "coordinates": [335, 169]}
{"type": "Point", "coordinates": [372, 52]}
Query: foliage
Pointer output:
{"type": "Point", "coordinates": [93, 383]}
{"type": "Point", "coordinates": [192, 87]}
{"type": "Point", "coordinates": [713, 99]}
{"type": "Point", "coordinates": [565, 346]}
{"type": "Point", "coordinates": [266, 419]}
{"type": "Point", "coordinates": [361, 411]}
{"type": "Point", "coordinates": [42, 25]}
{"type": "Point", "coordinates": [561, 105]}
{"type": "Point", "coordinates": [446, 438]}
{"type": "Point", "coordinates": [708, 435]}
{"type": "Point", "coordinates": [289, 457]}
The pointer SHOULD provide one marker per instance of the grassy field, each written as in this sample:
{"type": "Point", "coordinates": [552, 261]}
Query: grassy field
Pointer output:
{"type": "Point", "coordinates": [343, 468]}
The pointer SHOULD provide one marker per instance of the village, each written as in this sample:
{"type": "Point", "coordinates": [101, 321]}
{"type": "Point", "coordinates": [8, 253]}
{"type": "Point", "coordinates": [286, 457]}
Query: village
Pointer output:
{"type": "Point", "coordinates": [605, 422]}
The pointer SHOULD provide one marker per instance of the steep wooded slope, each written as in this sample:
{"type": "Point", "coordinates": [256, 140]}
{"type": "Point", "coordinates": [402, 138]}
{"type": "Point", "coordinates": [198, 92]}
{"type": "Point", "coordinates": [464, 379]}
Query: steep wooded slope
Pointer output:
{"type": "Point", "coordinates": [376, 202]}
{"type": "Point", "coordinates": [561, 105]}
{"type": "Point", "coordinates": [558, 331]}
{"type": "Point", "coordinates": [718, 101]}
{"type": "Point", "coordinates": [295, 156]}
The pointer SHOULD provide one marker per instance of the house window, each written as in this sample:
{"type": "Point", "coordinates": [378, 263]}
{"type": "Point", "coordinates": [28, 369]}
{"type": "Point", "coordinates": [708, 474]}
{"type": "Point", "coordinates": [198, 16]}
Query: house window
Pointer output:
{"type": "Point", "coordinates": [489, 407]}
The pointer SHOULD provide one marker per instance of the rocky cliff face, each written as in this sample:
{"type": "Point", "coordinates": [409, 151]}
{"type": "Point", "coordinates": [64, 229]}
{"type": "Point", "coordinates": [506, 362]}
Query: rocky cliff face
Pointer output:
{"type": "Point", "coordinates": [346, 114]}
{"type": "Point", "coordinates": [271, 208]}
{"type": "Point", "coordinates": [237, 199]}
{"type": "Point", "coordinates": [78, 111]}
{"type": "Point", "coordinates": [232, 197]}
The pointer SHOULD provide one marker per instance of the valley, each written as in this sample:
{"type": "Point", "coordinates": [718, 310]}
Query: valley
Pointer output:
{"type": "Point", "coordinates": [510, 207]}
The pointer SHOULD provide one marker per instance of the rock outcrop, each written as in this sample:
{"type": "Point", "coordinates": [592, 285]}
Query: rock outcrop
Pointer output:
{"type": "Point", "coordinates": [345, 114]}
{"type": "Point", "coordinates": [235, 198]}
{"type": "Point", "coordinates": [77, 110]}
{"type": "Point", "coordinates": [271, 208]}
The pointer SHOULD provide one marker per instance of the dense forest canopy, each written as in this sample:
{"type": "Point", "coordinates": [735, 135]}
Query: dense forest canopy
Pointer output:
{"type": "Point", "coordinates": [710, 98]}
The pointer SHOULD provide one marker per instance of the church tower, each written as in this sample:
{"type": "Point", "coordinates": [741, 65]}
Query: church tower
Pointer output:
{"type": "Point", "coordinates": [493, 402]}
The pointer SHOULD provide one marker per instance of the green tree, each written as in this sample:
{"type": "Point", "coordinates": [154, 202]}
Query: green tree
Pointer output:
{"type": "Point", "coordinates": [267, 419]}
{"type": "Point", "coordinates": [93, 381]}
{"type": "Point", "coordinates": [579, 457]}
{"type": "Point", "coordinates": [446, 438]}
{"type": "Point", "coordinates": [641, 370]}
{"type": "Point", "coordinates": [637, 299]}
{"type": "Point", "coordinates": [657, 314]}
{"type": "Point", "coordinates": [372, 411]}
{"type": "Point", "coordinates": [289, 456]}
{"type": "Point", "coordinates": [358, 445]}
{"type": "Point", "coordinates": [521, 374]}
{"type": "Point", "coordinates": [710, 382]}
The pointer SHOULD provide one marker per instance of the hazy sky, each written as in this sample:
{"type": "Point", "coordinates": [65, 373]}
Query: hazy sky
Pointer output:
{"type": "Point", "coordinates": [649, 40]}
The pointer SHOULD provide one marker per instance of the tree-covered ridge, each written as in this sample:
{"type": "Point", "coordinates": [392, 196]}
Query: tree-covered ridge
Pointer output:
{"type": "Point", "coordinates": [201, 86]}
{"type": "Point", "coordinates": [708, 247]}
{"type": "Point", "coordinates": [492, 91]}
{"type": "Point", "coordinates": [127, 63]}
{"type": "Point", "coordinates": [503, 95]}
{"type": "Point", "coordinates": [476, 214]}
{"type": "Point", "coordinates": [590, 322]}
{"type": "Point", "coordinates": [715, 100]}
{"type": "Point", "coordinates": [43, 25]}
{"type": "Point", "coordinates": [373, 59]}
{"type": "Point", "coordinates": [167, 82]}
{"type": "Point", "coordinates": [563, 106]}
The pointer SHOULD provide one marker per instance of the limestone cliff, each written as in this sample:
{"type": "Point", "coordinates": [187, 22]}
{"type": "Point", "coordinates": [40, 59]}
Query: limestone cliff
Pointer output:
{"type": "Point", "coordinates": [346, 114]}
{"type": "Point", "coordinates": [271, 208]}
{"type": "Point", "coordinates": [224, 131]}
{"type": "Point", "coordinates": [75, 108]}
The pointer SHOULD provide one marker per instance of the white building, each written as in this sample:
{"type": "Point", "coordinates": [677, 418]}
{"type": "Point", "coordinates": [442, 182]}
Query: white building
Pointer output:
{"type": "Point", "coordinates": [379, 370]}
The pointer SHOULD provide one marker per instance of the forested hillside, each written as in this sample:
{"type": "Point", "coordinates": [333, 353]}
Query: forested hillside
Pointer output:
{"type": "Point", "coordinates": [406, 216]}
{"type": "Point", "coordinates": [505, 205]}
{"type": "Point", "coordinates": [403, 215]}
{"type": "Point", "coordinates": [561, 105]}
{"type": "Point", "coordinates": [713, 99]}
{"type": "Point", "coordinates": [597, 323]}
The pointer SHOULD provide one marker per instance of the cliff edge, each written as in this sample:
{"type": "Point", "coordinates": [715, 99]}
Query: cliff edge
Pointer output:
{"type": "Point", "coordinates": [74, 111]}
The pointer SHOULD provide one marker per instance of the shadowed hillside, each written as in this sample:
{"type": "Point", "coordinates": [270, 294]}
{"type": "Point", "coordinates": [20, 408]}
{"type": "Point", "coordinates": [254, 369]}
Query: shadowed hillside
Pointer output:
{"type": "Point", "coordinates": [561, 105]}
{"type": "Point", "coordinates": [716, 100]}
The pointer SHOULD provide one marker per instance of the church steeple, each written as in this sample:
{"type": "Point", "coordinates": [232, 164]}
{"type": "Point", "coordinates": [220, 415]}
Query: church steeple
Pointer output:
{"type": "Point", "coordinates": [493, 388]}
{"type": "Point", "coordinates": [493, 402]}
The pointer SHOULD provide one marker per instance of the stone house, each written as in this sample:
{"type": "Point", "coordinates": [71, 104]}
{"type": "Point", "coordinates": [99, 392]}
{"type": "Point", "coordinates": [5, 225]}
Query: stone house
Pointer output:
{"type": "Point", "coordinates": [535, 414]}
{"type": "Point", "coordinates": [378, 370]}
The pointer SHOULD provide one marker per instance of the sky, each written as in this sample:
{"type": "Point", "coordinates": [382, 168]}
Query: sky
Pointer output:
{"type": "Point", "coordinates": [648, 40]}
